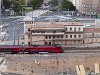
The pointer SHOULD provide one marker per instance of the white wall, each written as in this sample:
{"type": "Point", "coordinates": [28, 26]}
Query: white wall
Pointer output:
{"type": "Point", "coordinates": [38, 40]}
{"type": "Point", "coordinates": [68, 27]}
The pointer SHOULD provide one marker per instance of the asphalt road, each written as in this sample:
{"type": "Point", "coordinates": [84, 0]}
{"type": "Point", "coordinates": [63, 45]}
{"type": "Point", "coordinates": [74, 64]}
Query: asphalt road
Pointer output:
{"type": "Point", "coordinates": [12, 26]}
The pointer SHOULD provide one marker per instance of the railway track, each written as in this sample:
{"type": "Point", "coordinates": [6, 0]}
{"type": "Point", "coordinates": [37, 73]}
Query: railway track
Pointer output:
{"type": "Point", "coordinates": [69, 50]}
{"type": "Point", "coordinates": [82, 49]}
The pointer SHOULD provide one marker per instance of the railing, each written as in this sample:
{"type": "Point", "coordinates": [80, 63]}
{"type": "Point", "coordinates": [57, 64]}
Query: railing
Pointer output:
{"type": "Point", "coordinates": [47, 33]}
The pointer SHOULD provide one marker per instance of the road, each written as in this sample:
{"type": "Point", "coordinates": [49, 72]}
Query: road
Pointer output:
{"type": "Point", "coordinates": [11, 27]}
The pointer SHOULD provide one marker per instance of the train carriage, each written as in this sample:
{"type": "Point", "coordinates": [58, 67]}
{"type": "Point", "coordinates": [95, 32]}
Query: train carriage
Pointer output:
{"type": "Point", "coordinates": [29, 49]}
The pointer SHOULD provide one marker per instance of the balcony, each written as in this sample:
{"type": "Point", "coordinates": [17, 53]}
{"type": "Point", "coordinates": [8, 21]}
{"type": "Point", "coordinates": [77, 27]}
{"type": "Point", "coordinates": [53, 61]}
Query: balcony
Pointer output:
{"type": "Point", "coordinates": [67, 38]}
{"type": "Point", "coordinates": [48, 33]}
{"type": "Point", "coordinates": [74, 31]}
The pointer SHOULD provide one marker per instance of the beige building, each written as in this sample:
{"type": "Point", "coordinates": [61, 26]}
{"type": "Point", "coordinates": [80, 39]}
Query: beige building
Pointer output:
{"type": "Point", "coordinates": [92, 35]}
{"type": "Point", "coordinates": [64, 33]}
{"type": "Point", "coordinates": [87, 6]}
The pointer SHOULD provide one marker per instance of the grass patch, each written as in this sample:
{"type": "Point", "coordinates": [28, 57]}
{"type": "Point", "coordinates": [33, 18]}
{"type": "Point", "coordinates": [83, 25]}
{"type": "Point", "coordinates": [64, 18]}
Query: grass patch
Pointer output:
{"type": "Point", "coordinates": [28, 9]}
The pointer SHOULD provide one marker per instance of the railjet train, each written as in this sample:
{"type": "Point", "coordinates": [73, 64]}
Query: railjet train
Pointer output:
{"type": "Point", "coordinates": [29, 49]}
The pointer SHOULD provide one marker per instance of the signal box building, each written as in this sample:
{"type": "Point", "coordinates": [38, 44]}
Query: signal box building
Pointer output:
{"type": "Point", "coordinates": [49, 33]}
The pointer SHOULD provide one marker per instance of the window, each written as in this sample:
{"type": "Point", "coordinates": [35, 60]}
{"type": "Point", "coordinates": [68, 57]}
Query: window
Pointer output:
{"type": "Point", "coordinates": [66, 36]}
{"type": "Point", "coordinates": [33, 31]}
{"type": "Point", "coordinates": [28, 29]}
{"type": "Point", "coordinates": [42, 31]}
{"type": "Point", "coordinates": [79, 29]}
{"type": "Point", "coordinates": [49, 43]}
{"type": "Point", "coordinates": [49, 37]}
{"type": "Point", "coordinates": [75, 29]}
{"type": "Point", "coordinates": [79, 41]}
{"type": "Point", "coordinates": [70, 29]}
{"type": "Point", "coordinates": [58, 36]}
{"type": "Point", "coordinates": [46, 43]}
{"type": "Point", "coordinates": [46, 37]}
{"type": "Point", "coordinates": [29, 43]}
{"type": "Point", "coordinates": [79, 36]}
{"type": "Point", "coordinates": [53, 36]}
{"type": "Point", "coordinates": [61, 36]}
{"type": "Point", "coordinates": [70, 36]}
{"type": "Point", "coordinates": [66, 29]}
{"type": "Point", "coordinates": [54, 31]}
{"type": "Point", "coordinates": [74, 36]}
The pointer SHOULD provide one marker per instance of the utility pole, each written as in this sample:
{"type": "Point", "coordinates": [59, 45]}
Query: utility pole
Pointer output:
{"type": "Point", "coordinates": [13, 35]}
{"type": "Point", "coordinates": [18, 31]}
{"type": "Point", "coordinates": [0, 11]}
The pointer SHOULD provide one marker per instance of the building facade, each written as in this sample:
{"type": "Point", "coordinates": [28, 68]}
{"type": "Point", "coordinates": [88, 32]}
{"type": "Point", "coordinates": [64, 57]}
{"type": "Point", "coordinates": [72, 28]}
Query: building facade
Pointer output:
{"type": "Point", "coordinates": [92, 35]}
{"type": "Point", "coordinates": [87, 7]}
{"type": "Point", "coordinates": [49, 33]}
{"type": "Point", "coordinates": [63, 33]}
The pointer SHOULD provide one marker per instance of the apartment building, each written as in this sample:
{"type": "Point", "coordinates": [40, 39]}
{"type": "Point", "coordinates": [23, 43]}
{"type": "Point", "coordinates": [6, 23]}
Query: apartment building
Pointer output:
{"type": "Point", "coordinates": [87, 7]}
{"type": "Point", "coordinates": [44, 33]}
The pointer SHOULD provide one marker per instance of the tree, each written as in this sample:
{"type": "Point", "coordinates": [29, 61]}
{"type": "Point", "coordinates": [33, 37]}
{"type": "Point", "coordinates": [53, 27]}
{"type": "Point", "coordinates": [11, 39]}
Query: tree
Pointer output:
{"type": "Point", "coordinates": [66, 5]}
{"type": "Point", "coordinates": [53, 3]}
{"type": "Point", "coordinates": [7, 4]}
{"type": "Point", "coordinates": [36, 3]}
{"type": "Point", "coordinates": [17, 5]}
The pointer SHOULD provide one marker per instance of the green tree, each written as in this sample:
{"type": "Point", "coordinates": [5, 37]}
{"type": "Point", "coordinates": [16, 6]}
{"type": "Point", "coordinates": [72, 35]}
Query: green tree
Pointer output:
{"type": "Point", "coordinates": [66, 5]}
{"type": "Point", "coordinates": [6, 4]}
{"type": "Point", "coordinates": [53, 3]}
{"type": "Point", "coordinates": [36, 3]}
{"type": "Point", "coordinates": [17, 5]}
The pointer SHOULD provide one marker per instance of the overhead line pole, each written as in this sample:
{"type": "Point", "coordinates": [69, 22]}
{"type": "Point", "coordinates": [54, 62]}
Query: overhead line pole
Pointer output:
{"type": "Point", "coordinates": [0, 11]}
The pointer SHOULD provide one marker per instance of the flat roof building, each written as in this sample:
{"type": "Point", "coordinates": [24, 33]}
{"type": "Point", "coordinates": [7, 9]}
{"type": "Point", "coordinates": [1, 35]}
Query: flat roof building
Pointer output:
{"type": "Point", "coordinates": [49, 33]}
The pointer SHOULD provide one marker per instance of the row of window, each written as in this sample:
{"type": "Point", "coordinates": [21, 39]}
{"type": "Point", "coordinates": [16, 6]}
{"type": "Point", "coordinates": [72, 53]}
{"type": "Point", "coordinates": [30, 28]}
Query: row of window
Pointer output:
{"type": "Point", "coordinates": [48, 31]}
{"type": "Point", "coordinates": [75, 29]}
{"type": "Point", "coordinates": [48, 43]}
{"type": "Point", "coordinates": [75, 36]}
{"type": "Point", "coordinates": [54, 36]}
{"type": "Point", "coordinates": [61, 36]}
{"type": "Point", "coordinates": [29, 22]}
{"type": "Point", "coordinates": [63, 42]}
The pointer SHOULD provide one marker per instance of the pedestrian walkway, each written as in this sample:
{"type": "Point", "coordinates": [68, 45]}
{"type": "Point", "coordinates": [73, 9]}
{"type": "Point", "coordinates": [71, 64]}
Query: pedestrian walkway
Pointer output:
{"type": "Point", "coordinates": [36, 13]}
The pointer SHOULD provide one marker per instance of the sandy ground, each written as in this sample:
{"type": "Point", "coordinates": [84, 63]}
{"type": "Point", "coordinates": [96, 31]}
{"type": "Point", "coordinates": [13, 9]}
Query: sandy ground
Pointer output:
{"type": "Point", "coordinates": [50, 64]}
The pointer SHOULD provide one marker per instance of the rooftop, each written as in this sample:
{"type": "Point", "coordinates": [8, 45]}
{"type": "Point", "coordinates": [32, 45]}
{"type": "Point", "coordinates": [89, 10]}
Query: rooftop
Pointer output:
{"type": "Point", "coordinates": [92, 30]}
{"type": "Point", "coordinates": [55, 24]}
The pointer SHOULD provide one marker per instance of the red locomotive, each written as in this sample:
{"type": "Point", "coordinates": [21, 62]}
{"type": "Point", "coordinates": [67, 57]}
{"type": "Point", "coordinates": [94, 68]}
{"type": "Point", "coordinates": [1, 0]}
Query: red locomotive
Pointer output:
{"type": "Point", "coordinates": [30, 49]}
